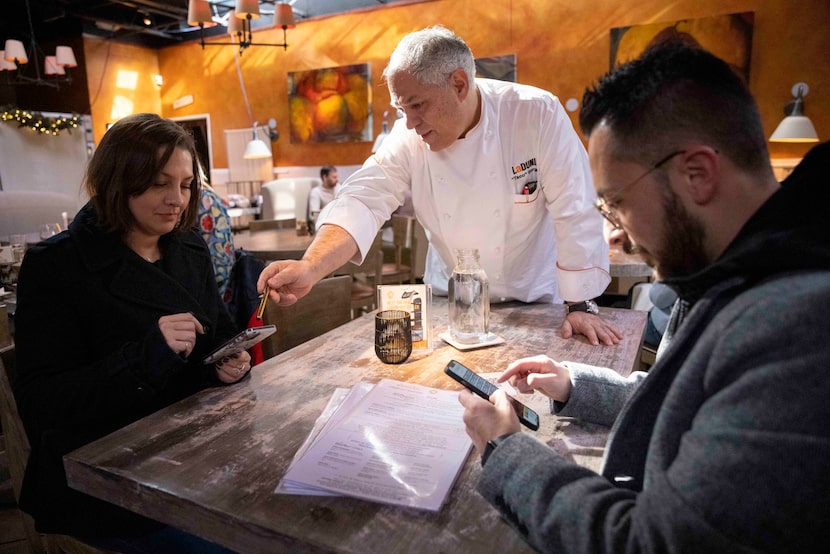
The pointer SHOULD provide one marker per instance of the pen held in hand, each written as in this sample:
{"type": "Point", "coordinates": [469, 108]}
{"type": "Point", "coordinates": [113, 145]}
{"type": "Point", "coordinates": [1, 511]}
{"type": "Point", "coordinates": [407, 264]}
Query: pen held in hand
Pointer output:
{"type": "Point", "coordinates": [263, 300]}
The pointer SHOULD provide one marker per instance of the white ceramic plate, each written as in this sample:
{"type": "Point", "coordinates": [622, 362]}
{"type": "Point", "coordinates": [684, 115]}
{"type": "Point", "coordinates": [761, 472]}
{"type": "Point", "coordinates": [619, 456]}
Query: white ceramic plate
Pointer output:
{"type": "Point", "coordinates": [492, 340]}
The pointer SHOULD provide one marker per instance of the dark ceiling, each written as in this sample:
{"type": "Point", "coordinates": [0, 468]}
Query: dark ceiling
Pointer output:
{"type": "Point", "coordinates": [124, 20]}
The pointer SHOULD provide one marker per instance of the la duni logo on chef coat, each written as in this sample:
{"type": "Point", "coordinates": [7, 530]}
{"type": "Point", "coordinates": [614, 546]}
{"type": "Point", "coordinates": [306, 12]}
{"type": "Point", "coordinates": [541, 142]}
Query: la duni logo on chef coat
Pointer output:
{"type": "Point", "coordinates": [521, 170]}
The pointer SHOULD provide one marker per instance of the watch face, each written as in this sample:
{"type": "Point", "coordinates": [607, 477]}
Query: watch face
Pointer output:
{"type": "Point", "coordinates": [592, 307]}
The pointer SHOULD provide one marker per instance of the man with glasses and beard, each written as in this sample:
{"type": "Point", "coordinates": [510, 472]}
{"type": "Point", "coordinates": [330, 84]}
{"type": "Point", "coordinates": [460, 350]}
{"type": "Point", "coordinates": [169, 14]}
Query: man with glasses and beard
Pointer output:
{"type": "Point", "coordinates": [725, 446]}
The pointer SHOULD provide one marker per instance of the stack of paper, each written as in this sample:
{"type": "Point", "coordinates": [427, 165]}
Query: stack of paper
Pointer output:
{"type": "Point", "coordinates": [393, 442]}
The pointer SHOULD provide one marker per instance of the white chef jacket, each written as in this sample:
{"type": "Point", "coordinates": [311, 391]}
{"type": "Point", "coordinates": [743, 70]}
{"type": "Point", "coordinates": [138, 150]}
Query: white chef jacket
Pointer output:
{"type": "Point", "coordinates": [517, 187]}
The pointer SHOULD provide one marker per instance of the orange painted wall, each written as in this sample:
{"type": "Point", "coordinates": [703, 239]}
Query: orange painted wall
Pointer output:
{"type": "Point", "coordinates": [119, 78]}
{"type": "Point", "coordinates": [561, 45]}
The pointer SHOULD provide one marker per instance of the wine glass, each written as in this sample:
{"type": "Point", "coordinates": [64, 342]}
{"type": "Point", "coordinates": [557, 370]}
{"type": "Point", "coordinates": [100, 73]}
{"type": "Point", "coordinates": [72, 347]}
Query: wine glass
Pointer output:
{"type": "Point", "coordinates": [47, 230]}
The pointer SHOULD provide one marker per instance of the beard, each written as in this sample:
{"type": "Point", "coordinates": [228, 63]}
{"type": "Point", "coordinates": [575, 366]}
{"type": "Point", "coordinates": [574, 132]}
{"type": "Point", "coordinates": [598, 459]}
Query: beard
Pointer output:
{"type": "Point", "coordinates": [682, 250]}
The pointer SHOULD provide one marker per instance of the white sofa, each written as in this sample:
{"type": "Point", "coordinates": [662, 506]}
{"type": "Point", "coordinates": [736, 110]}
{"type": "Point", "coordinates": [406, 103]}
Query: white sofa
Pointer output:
{"type": "Point", "coordinates": [21, 212]}
{"type": "Point", "coordinates": [287, 198]}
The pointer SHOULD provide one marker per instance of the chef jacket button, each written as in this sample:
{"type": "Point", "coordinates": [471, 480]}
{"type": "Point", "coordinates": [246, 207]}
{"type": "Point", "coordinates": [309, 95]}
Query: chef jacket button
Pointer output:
{"type": "Point", "coordinates": [497, 249]}
{"type": "Point", "coordinates": [503, 299]}
{"type": "Point", "coordinates": [492, 174]}
{"type": "Point", "coordinates": [488, 134]}
{"type": "Point", "coordinates": [497, 213]}
{"type": "Point", "coordinates": [497, 277]}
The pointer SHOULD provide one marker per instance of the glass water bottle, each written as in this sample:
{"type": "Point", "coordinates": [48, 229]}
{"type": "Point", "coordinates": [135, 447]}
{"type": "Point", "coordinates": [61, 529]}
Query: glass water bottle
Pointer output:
{"type": "Point", "coordinates": [469, 299]}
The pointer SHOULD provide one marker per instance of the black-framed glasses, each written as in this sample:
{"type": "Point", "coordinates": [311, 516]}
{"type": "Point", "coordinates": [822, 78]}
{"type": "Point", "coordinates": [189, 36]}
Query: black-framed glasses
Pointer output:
{"type": "Point", "coordinates": [606, 206]}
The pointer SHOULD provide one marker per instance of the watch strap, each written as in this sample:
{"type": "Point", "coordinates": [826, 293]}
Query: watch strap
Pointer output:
{"type": "Point", "coordinates": [585, 306]}
{"type": "Point", "coordinates": [492, 444]}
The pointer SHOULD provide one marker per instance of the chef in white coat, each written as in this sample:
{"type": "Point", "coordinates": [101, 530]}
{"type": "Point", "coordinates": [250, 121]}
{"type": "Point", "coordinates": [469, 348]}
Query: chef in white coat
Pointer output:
{"type": "Point", "coordinates": [489, 164]}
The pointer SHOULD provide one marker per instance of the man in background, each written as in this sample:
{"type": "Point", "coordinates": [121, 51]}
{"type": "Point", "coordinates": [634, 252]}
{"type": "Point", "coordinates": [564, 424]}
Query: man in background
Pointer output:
{"type": "Point", "coordinates": [320, 196]}
{"type": "Point", "coordinates": [724, 447]}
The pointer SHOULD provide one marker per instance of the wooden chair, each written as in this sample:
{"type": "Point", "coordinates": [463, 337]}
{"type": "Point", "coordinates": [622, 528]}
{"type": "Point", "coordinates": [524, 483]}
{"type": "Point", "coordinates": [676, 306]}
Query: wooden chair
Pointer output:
{"type": "Point", "coordinates": [364, 277]}
{"type": "Point", "coordinates": [326, 306]}
{"type": "Point", "coordinates": [17, 450]}
{"type": "Point", "coordinates": [403, 241]}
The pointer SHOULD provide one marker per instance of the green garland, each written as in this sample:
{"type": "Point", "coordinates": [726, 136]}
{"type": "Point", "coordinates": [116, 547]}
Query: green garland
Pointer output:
{"type": "Point", "coordinates": [38, 123]}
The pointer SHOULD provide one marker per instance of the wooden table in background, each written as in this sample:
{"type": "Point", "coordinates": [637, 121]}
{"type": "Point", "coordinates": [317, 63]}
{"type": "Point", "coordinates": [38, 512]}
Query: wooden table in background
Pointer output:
{"type": "Point", "coordinates": [273, 244]}
{"type": "Point", "coordinates": [626, 271]}
{"type": "Point", "coordinates": [210, 463]}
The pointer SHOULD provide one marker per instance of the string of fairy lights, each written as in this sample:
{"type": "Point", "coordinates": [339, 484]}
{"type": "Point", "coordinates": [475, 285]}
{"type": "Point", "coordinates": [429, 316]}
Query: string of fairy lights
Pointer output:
{"type": "Point", "coordinates": [39, 123]}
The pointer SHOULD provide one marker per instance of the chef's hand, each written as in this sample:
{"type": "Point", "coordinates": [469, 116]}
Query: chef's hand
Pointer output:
{"type": "Point", "coordinates": [592, 326]}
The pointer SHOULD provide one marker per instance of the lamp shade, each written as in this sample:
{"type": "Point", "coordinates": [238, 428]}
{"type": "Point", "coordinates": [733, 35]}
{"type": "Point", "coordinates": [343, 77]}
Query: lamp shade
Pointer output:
{"type": "Point", "coordinates": [15, 51]}
{"type": "Point", "coordinates": [795, 128]}
{"type": "Point", "coordinates": [235, 24]}
{"type": "Point", "coordinates": [51, 67]}
{"type": "Point", "coordinates": [284, 16]}
{"type": "Point", "coordinates": [198, 13]}
{"type": "Point", "coordinates": [245, 8]}
{"type": "Point", "coordinates": [65, 57]}
{"type": "Point", "coordinates": [256, 149]}
{"type": "Point", "coordinates": [6, 65]}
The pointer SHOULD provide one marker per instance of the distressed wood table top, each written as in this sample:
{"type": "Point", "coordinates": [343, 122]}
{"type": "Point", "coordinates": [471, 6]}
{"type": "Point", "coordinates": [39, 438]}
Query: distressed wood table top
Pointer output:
{"type": "Point", "coordinates": [273, 244]}
{"type": "Point", "coordinates": [210, 463]}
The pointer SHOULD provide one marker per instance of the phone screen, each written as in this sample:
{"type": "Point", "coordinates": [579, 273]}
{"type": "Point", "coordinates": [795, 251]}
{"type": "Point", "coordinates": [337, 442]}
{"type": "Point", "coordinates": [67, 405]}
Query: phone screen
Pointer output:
{"type": "Point", "coordinates": [485, 388]}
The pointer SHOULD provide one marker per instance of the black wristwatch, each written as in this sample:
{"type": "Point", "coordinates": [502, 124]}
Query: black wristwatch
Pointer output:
{"type": "Point", "coordinates": [586, 306]}
{"type": "Point", "coordinates": [491, 445]}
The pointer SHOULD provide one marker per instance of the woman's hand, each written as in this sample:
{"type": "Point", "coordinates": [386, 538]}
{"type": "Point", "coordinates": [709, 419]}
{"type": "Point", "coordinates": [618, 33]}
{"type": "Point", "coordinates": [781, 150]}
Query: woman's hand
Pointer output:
{"type": "Point", "coordinates": [233, 368]}
{"type": "Point", "coordinates": [539, 373]}
{"type": "Point", "coordinates": [179, 331]}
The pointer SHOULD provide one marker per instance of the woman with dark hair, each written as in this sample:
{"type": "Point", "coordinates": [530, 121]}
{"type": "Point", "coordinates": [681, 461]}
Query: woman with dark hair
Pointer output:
{"type": "Point", "coordinates": [114, 318]}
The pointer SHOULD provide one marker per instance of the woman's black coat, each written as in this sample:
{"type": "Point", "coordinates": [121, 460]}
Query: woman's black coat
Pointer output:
{"type": "Point", "coordinates": [90, 358]}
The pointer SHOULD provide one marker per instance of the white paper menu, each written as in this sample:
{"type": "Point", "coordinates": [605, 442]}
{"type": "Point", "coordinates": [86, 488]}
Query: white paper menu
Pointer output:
{"type": "Point", "coordinates": [401, 444]}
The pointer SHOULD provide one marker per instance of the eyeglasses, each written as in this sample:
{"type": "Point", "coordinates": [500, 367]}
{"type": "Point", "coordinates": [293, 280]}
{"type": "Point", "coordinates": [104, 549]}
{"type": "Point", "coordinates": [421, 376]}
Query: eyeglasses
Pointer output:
{"type": "Point", "coordinates": [607, 207]}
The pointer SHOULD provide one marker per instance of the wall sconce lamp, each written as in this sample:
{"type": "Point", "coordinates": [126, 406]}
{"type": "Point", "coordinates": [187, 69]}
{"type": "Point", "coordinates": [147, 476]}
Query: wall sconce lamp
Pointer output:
{"type": "Point", "coordinates": [256, 148]}
{"type": "Point", "coordinates": [795, 127]}
{"type": "Point", "coordinates": [239, 22]}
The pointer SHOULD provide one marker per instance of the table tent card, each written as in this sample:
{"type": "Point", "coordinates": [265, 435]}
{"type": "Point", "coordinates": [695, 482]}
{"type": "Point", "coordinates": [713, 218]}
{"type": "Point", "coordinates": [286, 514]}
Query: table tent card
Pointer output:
{"type": "Point", "coordinates": [417, 300]}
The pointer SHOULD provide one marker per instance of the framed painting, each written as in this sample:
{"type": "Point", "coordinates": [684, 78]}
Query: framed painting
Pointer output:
{"type": "Point", "coordinates": [331, 104]}
{"type": "Point", "coordinates": [728, 37]}
{"type": "Point", "coordinates": [502, 68]}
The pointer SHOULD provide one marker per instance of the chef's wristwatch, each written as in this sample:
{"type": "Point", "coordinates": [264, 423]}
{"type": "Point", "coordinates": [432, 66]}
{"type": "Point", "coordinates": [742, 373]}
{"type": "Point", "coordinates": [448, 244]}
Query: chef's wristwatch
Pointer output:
{"type": "Point", "coordinates": [586, 306]}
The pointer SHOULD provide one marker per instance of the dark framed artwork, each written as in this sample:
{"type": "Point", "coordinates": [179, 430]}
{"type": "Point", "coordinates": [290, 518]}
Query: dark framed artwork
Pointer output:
{"type": "Point", "coordinates": [331, 104]}
{"type": "Point", "coordinates": [502, 68]}
{"type": "Point", "coordinates": [728, 37]}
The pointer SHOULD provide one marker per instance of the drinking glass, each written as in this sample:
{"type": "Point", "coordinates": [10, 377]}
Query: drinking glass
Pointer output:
{"type": "Point", "coordinates": [18, 244]}
{"type": "Point", "coordinates": [393, 336]}
{"type": "Point", "coordinates": [47, 230]}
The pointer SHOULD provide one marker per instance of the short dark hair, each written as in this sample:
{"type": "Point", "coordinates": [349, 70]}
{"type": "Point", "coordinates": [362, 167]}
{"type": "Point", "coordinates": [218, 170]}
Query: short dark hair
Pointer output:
{"type": "Point", "coordinates": [128, 160]}
{"type": "Point", "coordinates": [325, 170]}
{"type": "Point", "coordinates": [673, 93]}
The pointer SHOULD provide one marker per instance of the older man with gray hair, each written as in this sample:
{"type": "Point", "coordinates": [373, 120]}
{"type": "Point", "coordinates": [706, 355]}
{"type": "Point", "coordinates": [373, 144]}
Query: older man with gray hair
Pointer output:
{"type": "Point", "coordinates": [489, 164]}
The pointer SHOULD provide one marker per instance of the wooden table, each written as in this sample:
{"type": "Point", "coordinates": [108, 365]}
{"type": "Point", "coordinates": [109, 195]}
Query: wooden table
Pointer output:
{"type": "Point", "coordinates": [626, 271]}
{"type": "Point", "coordinates": [273, 244]}
{"type": "Point", "coordinates": [210, 463]}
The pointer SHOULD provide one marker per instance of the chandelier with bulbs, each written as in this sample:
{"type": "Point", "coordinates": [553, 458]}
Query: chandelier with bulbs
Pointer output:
{"type": "Point", "coordinates": [239, 22]}
{"type": "Point", "coordinates": [16, 60]}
